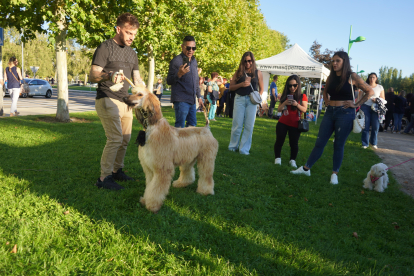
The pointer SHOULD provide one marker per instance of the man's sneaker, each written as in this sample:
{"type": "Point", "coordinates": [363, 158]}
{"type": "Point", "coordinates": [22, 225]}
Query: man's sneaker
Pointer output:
{"type": "Point", "coordinates": [364, 147]}
{"type": "Point", "coordinates": [108, 183]}
{"type": "Point", "coordinates": [334, 179]}
{"type": "Point", "coordinates": [278, 161]}
{"type": "Point", "coordinates": [292, 163]}
{"type": "Point", "coordinates": [375, 146]}
{"type": "Point", "coordinates": [301, 171]}
{"type": "Point", "coordinates": [121, 176]}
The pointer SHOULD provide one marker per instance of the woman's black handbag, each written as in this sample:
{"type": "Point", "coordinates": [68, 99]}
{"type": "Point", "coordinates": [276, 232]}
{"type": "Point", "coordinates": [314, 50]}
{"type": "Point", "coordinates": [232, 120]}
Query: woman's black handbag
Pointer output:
{"type": "Point", "coordinates": [303, 125]}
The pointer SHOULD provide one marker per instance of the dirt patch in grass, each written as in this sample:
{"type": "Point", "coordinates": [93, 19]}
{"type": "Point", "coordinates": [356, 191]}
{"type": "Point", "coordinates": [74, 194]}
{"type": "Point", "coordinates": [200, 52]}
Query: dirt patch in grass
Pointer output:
{"type": "Point", "coordinates": [54, 120]}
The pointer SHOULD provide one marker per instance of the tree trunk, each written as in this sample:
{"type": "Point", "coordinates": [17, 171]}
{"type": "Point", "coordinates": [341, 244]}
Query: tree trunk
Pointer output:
{"type": "Point", "coordinates": [1, 78]}
{"type": "Point", "coordinates": [62, 112]}
{"type": "Point", "coordinates": [151, 68]}
{"type": "Point", "coordinates": [86, 78]}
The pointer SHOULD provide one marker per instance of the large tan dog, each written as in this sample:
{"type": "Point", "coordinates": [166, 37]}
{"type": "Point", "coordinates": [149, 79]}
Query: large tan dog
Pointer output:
{"type": "Point", "coordinates": [167, 147]}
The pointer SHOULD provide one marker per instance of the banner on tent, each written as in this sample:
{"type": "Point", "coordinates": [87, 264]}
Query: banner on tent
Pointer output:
{"type": "Point", "coordinates": [286, 67]}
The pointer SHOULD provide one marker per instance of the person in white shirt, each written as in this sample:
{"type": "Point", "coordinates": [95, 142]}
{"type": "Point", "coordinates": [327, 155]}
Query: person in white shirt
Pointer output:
{"type": "Point", "coordinates": [371, 117]}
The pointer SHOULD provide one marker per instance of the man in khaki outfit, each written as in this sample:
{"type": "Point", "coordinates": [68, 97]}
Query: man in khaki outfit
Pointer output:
{"type": "Point", "coordinates": [109, 58]}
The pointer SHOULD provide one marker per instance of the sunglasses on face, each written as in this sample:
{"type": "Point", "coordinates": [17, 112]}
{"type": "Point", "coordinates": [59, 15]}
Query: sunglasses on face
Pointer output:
{"type": "Point", "coordinates": [189, 48]}
{"type": "Point", "coordinates": [248, 61]}
{"type": "Point", "coordinates": [292, 85]}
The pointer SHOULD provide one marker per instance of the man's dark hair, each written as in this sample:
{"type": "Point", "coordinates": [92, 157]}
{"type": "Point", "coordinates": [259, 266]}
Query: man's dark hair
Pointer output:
{"type": "Point", "coordinates": [127, 18]}
{"type": "Point", "coordinates": [274, 77]}
{"type": "Point", "coordinates": [188, 38]}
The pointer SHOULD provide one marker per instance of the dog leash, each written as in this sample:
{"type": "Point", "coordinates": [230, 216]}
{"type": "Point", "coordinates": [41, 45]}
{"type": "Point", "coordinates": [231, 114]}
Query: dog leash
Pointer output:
{"type": "Point", "coordinates": [373, 179]}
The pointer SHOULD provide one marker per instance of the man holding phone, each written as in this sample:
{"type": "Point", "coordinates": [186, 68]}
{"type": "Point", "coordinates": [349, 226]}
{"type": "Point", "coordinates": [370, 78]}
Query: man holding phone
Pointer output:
{"type": "Point", "coordinates": [183, 78]}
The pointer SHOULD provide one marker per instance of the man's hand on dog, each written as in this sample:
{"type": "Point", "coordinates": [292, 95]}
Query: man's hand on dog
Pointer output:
{"type": "Point", "coordinates": [184, 69]}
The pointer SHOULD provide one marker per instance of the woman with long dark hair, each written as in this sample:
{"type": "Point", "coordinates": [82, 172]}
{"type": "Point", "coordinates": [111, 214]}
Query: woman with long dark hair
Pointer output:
{"type": "Point", "coordinates": [340, 112]}
{"type": "Point", "coordinates": [371, 116]}
{"type": "Point", "coordinates": [292, 104]}
{"type": "Point", "coordinates": [244, 113]}
{"type": "Point", "coordinates": [13, 76]}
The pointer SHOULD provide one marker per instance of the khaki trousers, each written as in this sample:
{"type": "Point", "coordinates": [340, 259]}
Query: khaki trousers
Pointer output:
{"type": "Point", "coordinates": [116, 120]}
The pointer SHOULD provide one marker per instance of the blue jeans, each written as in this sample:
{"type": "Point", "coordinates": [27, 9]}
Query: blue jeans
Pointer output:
{"type": "Point", "coordinates": [185, 112]}
{"type": "Point", "coordinates": [244, 113]}
{"type": "Point", "coordinates": [371, 119]}
{"type": "Point", "coordinates": [410, 125]}
{"type": "Point", "coordinates": [213, 108]}
{"type": "Point", "coordinates": [397, 121]}
{"type": "Point", "coordinates": [339, 120]}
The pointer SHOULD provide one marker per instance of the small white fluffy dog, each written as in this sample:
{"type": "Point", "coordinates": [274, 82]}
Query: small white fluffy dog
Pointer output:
{"type": "Point", "coordinates": [167, 147]}
{"type": "Point", "coordinates": [377, 178]}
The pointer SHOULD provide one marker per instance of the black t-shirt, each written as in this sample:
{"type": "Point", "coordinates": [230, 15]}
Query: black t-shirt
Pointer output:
{"type": "Point", "coordinates": [113, 57]}
{"type": "Point", "coordinates": [412, 105]}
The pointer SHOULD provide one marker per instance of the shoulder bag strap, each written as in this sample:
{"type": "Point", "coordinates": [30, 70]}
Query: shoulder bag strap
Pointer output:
{"type": "Point", "coordinates": [250, 82]}
{"type": "Point", "coordinates": [352, 87]}
{"type": "Point", "coordinates": [12, 73]}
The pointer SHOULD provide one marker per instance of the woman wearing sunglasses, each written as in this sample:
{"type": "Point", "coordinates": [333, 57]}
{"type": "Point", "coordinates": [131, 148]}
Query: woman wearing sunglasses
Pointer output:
{"type": "Point", "coordinates": [292, 105]}
{"type": "Point", "coordinates": [246, 78]}
{"type": "Point", "coordinates": [340, 112]}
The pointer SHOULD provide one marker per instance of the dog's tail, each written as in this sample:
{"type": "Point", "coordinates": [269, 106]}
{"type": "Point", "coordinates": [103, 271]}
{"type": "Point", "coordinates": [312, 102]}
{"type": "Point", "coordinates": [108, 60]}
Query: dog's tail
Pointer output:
{"type": "Point", "coordinates": [205, 115]}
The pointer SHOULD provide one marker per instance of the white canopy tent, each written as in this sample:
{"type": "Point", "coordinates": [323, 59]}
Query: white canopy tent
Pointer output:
{"type": "Point", "coordinates": [293, 61]}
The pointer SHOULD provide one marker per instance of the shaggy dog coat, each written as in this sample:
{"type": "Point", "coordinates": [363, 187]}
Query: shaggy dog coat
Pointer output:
{"type": "Point", "coordinates": [378, 170]}
{"type": "Point", "coordinates": [167, 147]}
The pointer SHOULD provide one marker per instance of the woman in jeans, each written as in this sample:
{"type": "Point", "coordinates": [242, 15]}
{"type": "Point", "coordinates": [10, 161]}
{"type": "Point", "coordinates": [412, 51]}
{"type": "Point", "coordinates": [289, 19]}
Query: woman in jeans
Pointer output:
{"type": "Point", "coordinates": [371, 117]}
{"type": "Point", "coordinates": [292, 108]}
{"type": "Point", "coordinates": [340, 113]}
{"type": "Point", "coordinates": [244, 112]}
{"type": "Point", "coordinates": [212, 95]}
{"type": "Point", "coordinates": [13, 76]}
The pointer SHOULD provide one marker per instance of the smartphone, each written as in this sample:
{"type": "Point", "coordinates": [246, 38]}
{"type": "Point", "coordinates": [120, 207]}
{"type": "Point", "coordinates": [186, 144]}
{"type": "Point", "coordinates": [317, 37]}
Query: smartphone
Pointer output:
{"type": "Point", "coordinates": [290, 97]}
{"type": "Point", "coordinates": [186, 61]}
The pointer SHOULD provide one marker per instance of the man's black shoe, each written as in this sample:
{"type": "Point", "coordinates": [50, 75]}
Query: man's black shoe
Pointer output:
{"type": "Point", "coordinates": [109, 183]}
{"type": "Point", "coordinates": [121, 176]}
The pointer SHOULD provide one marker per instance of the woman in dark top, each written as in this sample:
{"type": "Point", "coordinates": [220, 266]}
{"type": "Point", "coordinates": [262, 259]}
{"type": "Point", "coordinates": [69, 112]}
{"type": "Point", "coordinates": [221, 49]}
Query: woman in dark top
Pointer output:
{"type": "Point", "coordinates": [13, 77]}
{"type": "Point", "coordinates": [389, 97]}
{"type": "Point", "coordinates": [340, 112]}
{"type": "Point", "coordinates": [399, 108]}
{"type": "Point", "coordinates": [244, 113]}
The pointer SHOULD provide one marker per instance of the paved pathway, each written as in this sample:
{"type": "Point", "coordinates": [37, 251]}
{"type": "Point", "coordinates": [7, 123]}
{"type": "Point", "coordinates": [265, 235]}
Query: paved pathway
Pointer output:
{"type": "Point", "coordinates": [79, 101]}
{"type": "Point", "coordinates": [394, 149]}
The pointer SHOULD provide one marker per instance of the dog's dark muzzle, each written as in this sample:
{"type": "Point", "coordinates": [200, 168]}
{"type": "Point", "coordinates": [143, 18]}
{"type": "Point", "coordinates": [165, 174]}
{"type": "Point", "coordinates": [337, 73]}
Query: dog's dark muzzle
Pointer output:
{"type": "Point", "coordinates": [128, 102]}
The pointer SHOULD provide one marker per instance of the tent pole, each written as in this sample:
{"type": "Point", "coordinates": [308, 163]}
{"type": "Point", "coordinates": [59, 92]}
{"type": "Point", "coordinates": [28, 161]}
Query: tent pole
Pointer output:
{"type": "Point", "coordinates": [319, 99]}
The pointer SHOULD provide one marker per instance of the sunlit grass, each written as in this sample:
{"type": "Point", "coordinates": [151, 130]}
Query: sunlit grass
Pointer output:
{"type": "Point", "coordinates": [261, 221]}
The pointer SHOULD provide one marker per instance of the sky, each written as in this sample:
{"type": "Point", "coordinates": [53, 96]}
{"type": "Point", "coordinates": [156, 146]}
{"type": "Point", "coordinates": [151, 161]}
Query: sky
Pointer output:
{"type": "Point", "coordinates": [388, 27]}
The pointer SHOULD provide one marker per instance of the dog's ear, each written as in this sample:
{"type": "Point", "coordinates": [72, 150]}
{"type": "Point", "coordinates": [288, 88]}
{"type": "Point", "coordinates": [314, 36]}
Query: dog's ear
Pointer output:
{"type": "Point", "coordinates": [152, 105]}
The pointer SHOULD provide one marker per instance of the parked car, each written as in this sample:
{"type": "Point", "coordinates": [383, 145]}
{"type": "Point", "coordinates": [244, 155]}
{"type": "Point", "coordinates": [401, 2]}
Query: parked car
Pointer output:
{"type": "Point", "coordinates": [34, 87]}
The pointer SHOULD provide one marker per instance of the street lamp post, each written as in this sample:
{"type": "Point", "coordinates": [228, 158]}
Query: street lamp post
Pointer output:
{"type": "Point", "coordinates": [358, 39]}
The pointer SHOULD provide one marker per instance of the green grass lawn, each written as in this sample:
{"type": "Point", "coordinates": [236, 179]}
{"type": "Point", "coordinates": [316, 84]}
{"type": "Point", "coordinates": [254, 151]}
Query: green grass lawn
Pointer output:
{"type": "Point", "coordinates": [262, 220]}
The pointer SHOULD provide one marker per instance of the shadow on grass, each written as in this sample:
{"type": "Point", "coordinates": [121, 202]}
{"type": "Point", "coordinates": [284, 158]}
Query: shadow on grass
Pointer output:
{"type": "Point", "coordinates": [261, 219]}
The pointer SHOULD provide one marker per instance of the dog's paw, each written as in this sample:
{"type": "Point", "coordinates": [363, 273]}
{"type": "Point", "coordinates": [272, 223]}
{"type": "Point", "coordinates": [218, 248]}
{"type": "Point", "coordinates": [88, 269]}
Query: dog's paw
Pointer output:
{"type": "Point", "coordinates": [142, 201]}
{"type": "Point", "coordinates": [179, 184]}
{"type": "Point", "coordinates": [205, 191]}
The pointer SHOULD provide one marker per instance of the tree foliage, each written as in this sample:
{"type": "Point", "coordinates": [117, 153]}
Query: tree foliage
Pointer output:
{"type": "Point", "coordinates": [391, 77]}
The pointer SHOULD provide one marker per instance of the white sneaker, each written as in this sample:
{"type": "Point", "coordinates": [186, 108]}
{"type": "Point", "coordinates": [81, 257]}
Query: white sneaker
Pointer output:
{"type": "Point", "coordinates": [334, 179]}
{"type": "Point", "coordinates": [301, 171]}
{"type": "Point", "coordinates": [292, 163]}
{"type": "Point", "coordinates": [278, 161]}
{"type": "Point", "coordinates": [375, 147]}
{"type": "Point", "coordinates": [364, 147]}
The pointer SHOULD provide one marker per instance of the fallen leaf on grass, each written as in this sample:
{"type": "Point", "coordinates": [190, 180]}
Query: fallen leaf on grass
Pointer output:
{"type": "Point", "coordinates": [233, 183]}
{"type": "Point", "coordinates": [394, 223]}
{"type": "Point", "coordinates": [14, 250]}
{"type": "Point", "coordinates": [355, 235]}
{"type": "Point", "coordinates": [110, 260]}
{"type": "Point", "coordinates": [66, 212]}
{"type": "Point", "coordinates": [396, 227]}
{"type": "Point", "coordinates": [224, 174]}
{"type": "Point", "coordinates": [15, 127]}
{"type": "Point", "coordinates": [7, 243]}
{"type": "Point", "coordinates": [330, 204]}
{"type": "Point", "coordinates": [362, 192]}
{"type": "Point", "coordinates": [306, 199]}
{"type": "Point", "coordinates": [290, 195]}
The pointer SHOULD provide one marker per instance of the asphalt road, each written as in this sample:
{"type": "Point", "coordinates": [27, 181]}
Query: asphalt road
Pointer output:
{"type": "Point", "coordinates": [78, 102]}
